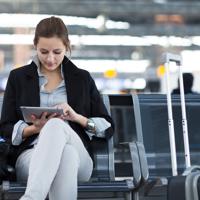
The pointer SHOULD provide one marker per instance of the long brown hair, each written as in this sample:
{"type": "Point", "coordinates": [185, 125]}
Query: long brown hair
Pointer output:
{"type": "Point", "coordinates": [50, 27]}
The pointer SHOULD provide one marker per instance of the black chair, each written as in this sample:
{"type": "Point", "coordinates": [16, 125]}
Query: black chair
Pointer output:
{"type": "Point", "coordinates": [153, 126]}
{"type": "Point", "coordinates": [103, 183]}
{"type": "Point", "coordinates": [122, 112]}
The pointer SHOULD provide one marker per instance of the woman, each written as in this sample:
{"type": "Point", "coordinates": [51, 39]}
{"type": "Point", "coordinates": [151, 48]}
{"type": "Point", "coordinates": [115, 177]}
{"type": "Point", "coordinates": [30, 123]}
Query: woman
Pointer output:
{"type": "Point", "coordinates": [53, 151]}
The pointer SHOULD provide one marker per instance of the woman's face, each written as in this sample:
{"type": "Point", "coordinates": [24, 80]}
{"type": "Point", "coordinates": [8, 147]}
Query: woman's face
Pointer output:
{"type": "Point", "coordinates": [50, 52]}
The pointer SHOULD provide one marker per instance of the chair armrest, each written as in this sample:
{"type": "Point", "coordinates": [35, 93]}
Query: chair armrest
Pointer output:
{"type": "Point", "coordinates": [139, 162]}
{"type": "Point", "coordinates": [103, 156]}
{"type": "Point", "coordinates": [132, 147]}
{"type": "Point", "coordinates": [143, 161]}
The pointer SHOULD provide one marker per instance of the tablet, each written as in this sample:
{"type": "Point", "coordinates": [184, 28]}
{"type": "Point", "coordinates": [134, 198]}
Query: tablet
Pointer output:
{"type": "Point", "coordinates": [27, 111]}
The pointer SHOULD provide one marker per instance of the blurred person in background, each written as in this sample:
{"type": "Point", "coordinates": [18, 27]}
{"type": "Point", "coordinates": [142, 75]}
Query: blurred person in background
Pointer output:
{"type": "Point", "coordinates": [53, 152]}
{"type": "Point", "coordinates": [187, 83]}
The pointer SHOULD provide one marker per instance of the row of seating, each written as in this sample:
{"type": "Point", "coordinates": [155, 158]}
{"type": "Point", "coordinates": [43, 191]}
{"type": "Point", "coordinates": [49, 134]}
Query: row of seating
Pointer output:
{"type": "Point", "coordinates": [152, 125]}
{"type": "Point", "coordinates": [145, 118]}
{"type": "Point", "coordinates": [142, 118]}
{"type": "Point", "coordinates": [105, 181]}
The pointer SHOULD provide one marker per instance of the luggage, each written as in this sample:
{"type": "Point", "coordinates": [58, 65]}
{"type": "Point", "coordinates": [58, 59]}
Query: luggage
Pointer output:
{"type": "Point", "coordinates": [185, 186]}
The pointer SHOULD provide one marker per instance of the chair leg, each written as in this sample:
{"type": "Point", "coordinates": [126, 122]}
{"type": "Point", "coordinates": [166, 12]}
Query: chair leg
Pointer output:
{"type": "Point", "coordinates": [136, 196]}
{"type": "Point", "coordinates": [128, 196]}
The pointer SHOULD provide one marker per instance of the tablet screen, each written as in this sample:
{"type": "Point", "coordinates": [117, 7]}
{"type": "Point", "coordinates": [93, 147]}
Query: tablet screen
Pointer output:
{"type": "Point", "coordinates": [27, 111]}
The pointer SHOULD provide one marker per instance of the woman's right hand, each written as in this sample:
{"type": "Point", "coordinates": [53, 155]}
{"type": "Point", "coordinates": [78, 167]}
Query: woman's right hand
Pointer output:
{"type": "Point", "coordinates": [37, 124]}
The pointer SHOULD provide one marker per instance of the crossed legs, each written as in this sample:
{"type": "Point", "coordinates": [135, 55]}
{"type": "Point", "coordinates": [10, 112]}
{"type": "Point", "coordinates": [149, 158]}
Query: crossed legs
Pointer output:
{"type": "Point", "coordinates": [57, 163]}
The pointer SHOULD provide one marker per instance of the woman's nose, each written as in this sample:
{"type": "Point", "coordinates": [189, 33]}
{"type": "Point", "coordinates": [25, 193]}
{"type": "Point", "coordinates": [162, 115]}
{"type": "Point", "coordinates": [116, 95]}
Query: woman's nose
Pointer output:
{"type": "Point", "coordinates": [50, 57]}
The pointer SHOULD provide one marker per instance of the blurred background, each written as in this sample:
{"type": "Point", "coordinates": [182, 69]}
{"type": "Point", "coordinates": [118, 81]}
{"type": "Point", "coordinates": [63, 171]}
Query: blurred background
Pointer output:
{"type": "Point", "coordinates": [120, 42]}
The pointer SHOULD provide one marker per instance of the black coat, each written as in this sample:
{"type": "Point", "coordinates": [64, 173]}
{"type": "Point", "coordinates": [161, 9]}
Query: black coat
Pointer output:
{"type": "Point", "coordinates": [23, 90]}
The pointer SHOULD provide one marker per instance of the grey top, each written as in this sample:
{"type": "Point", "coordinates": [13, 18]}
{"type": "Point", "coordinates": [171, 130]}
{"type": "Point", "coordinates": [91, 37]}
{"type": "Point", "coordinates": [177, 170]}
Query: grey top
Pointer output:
{"type": "Point", "coordinates": [50, 99]}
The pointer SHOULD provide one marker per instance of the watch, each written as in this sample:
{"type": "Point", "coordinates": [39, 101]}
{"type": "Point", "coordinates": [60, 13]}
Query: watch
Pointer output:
{"type": "Point", "coordinates": [90, 126]}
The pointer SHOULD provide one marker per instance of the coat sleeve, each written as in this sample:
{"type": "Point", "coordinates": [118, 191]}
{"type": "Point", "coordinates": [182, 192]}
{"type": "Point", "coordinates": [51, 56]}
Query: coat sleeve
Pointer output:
{"type": "Point", "coordinates": [8, 113]}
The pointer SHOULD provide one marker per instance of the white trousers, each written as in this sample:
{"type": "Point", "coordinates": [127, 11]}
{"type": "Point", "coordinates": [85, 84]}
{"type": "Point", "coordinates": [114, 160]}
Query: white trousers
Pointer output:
{"type": "Point", "coordinates": [55, 164]}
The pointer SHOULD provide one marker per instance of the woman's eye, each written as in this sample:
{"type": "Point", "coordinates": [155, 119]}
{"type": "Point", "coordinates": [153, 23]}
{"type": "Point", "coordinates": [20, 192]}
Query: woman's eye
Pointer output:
{"type": "Point", "coordinates": [57, 52]}
{"type": "Point", "coordinates": [44, 52]}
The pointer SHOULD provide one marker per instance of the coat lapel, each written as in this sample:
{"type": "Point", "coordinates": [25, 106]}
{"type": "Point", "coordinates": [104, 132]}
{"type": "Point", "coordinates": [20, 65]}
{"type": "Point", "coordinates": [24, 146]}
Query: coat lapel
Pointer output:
{"type": "Point", "coordinates": [32, 85]}
{"type": "Point", "coordinates": [73, 83]}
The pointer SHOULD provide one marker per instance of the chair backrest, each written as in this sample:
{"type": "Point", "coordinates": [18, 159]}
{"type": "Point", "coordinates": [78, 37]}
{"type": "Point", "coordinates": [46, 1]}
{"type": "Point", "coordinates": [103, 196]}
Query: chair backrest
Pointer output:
{"type": "Point", "coordinates": [116, 160]}
{"type": "Point", "coordinates": [103, 154]}
{"type": "Point", "coordinates": [122, 113]}
{"type": "Point", "coordinates": [130, 157]}
{"type": "Point", "coordinates": [153, 125]}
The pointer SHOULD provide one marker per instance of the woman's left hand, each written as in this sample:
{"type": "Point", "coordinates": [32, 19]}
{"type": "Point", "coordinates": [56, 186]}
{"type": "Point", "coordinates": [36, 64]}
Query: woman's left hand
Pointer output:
{"type": "Point", "coordinates": [69, 113]}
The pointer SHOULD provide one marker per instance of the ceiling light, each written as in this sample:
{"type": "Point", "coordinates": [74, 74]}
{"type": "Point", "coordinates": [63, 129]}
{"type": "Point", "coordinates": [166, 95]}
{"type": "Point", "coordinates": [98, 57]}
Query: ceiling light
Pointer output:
{"type": "Point", "coordinates": [31, 20]}
{"type": "Point", "coordinates": [121, 66]}
{"type": "Point", "coordinates": [190, 60]}
{"type": "Point", "coordinates": [104, 40]}
{"type": "Point", "coordinates": [139, 83]}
